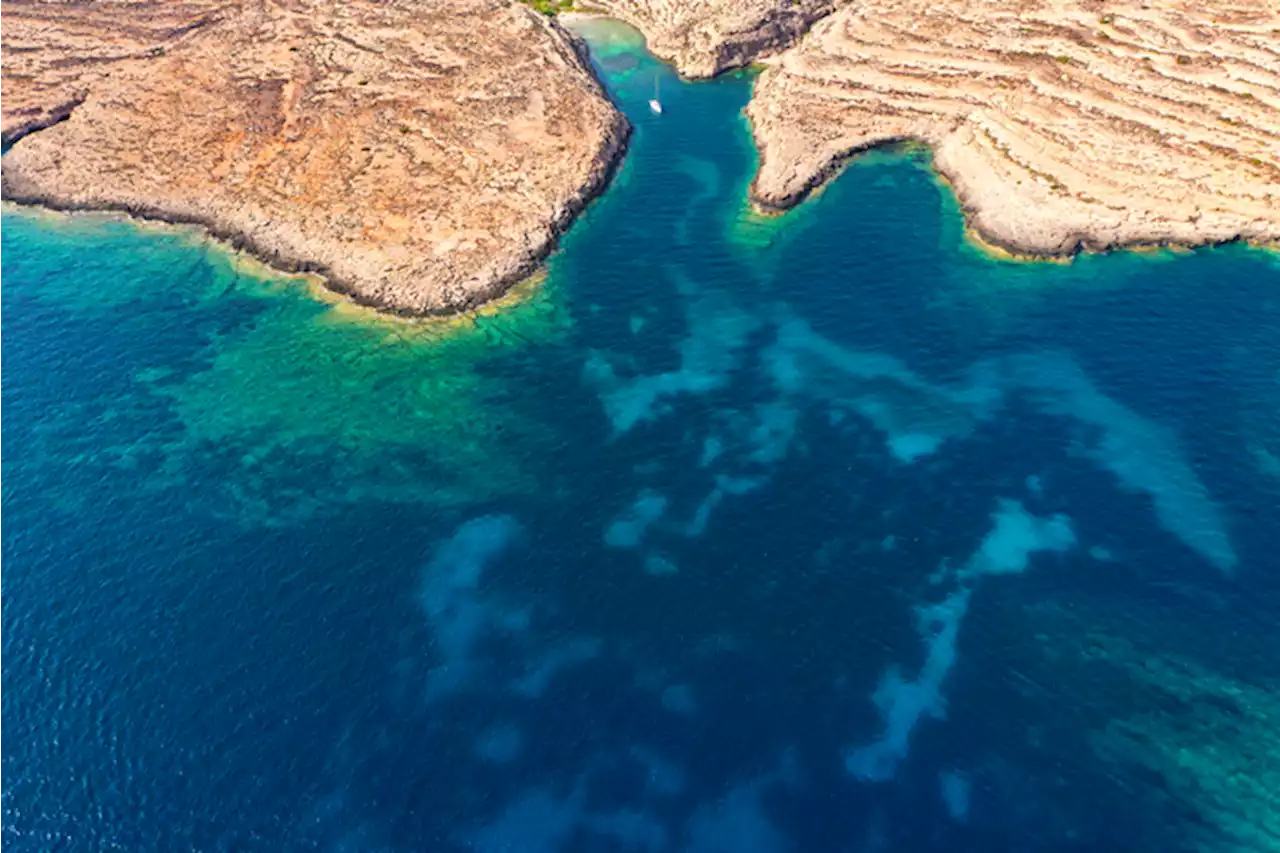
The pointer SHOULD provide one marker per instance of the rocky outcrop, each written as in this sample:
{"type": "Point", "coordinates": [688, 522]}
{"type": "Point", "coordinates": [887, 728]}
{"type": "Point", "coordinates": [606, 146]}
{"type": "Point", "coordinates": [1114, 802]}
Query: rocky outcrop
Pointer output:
{"type": "Point", "coordinates": [704, 37]}
{"type": "Point", "coordinates": [1062, 125]}
{"type": "Point", "coordinates": [421, 154]}
{"type": "Point", "coordinates": [53, 54]}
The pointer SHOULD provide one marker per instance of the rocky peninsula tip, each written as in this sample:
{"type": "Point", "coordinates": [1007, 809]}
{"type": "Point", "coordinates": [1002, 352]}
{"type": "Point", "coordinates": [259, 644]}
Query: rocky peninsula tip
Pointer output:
{"type": "Point", "coordinates": [421, 155]}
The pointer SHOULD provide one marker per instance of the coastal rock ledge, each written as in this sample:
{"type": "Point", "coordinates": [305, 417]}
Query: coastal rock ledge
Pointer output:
{"type": "Point", "coordinates": [705, 37]}
{"type": "Point", "coordinates": [1061, 125]}
{"type": "Point", "coordinates": [421, 155]}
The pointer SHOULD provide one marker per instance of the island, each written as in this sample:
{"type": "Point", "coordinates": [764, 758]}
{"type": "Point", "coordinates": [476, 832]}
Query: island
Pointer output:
{"type": "Point", "coordinates": [421, 155]}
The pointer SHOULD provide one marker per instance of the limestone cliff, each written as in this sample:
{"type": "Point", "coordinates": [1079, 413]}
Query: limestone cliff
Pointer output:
{"type": "Point", "coordinates": [704, 37]}
{"type": "Point", "coordinates": [421, 154]}
{"type": "Point", "coordinates": [1061, 125]}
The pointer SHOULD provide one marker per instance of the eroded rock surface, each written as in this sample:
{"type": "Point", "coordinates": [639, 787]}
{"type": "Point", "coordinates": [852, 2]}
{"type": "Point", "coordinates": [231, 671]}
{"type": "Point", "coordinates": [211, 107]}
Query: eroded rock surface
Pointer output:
{"type": "Point", "coordinates": [421, 154]}
{"type": "Point", "coordinates": [704, 37]}
{"type": "Point", "coordinates": [1061, 124]}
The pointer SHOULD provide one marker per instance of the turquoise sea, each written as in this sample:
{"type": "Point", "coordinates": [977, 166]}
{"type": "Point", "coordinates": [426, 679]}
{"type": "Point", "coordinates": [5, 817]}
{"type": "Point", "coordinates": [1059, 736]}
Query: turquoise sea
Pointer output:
{"type": "Point", "coordinates": [824, 532]}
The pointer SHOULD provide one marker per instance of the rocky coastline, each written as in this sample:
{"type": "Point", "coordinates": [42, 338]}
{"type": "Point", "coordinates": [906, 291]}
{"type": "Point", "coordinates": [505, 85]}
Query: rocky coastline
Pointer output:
{"type": "Point", "coordinates": [1059, 129]}
{"type": "Point", "coordinates": [421, 156]}
{"type": "Point", "coordinates": [703, 38]}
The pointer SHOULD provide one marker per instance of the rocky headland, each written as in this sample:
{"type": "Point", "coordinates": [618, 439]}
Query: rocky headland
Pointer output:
{"type": "Point", "coordinates": [1061, 125]}
{"type": "Point", "coordinates": [422, 155]}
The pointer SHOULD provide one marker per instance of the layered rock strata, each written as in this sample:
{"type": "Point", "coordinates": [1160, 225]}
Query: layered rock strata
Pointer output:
{"type": "Point", "coordinates": [704, 37]}
{"type": "Point", "coordinates": [1062, 125]}
{"type": "Point", "coordinates": [421, 154]}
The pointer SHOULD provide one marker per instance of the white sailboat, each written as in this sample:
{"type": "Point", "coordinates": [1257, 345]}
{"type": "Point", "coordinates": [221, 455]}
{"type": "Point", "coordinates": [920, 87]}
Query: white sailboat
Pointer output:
{"type": "Point", "coordinates": [654, 104]}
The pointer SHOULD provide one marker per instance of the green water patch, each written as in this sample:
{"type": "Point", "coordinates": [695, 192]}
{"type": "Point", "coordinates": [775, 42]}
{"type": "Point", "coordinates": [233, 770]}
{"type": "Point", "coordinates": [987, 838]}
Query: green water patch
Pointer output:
{"type": "Point", "coordinates": [616, 46]}
{"type": "Point", "coordinates": [1203, 741]}
{"type": "Point", "coordinates": [282, 383]}
{"type": "Point", "coordinates": [378, 414]}
{"type": "Point", "coordinates": [77, 263]}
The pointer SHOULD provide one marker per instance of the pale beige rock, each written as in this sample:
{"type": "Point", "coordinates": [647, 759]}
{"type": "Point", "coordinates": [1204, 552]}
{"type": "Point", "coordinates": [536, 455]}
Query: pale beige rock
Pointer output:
{"type": "Point", "coordinates": [704, 37]}
{"type": "Point", "coordinates": [421, 154]}
{"type": "Point", "coordinates": [53, 53]}
{"type": "Point", "coordinates": [1061, 125]}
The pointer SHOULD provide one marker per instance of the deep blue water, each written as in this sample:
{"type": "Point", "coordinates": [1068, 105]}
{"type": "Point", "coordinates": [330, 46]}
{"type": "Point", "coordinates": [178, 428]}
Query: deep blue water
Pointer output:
{"type": "Point", "coordinates": [823, 532]}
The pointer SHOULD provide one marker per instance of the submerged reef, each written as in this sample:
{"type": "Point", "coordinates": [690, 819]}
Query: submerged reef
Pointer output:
{"type": "Point", "coordinates": [916, 416]}
{"type": "Point", "coordinates": [301, 405]}
{"type": "Point", "coordinates": [1203, 741]}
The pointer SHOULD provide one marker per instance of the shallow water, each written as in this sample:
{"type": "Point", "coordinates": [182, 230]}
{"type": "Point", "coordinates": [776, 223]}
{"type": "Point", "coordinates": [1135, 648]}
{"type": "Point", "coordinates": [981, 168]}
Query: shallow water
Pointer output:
{"type": "Point", "coordinates": [823, 532]}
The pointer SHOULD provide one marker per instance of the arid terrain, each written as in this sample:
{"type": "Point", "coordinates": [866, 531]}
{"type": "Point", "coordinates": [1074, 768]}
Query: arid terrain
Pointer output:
{"type": "Point", "coordinates": [424, 154]}
{"type": "Point", "coordinates": [1061, 125]}
{"type": "Point", "coordinates": [704, 37]}
{"type": "Point", "coordinates": [421, 154]}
